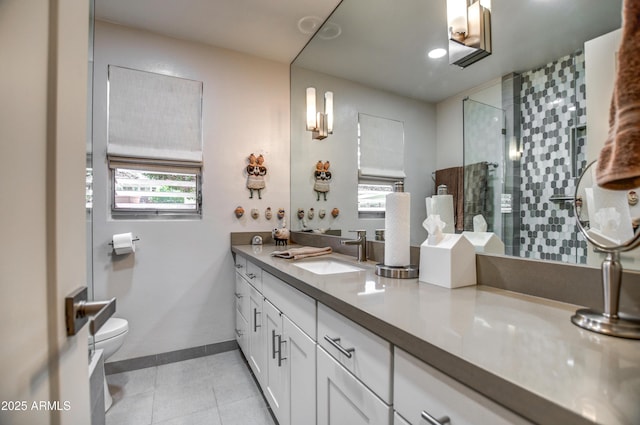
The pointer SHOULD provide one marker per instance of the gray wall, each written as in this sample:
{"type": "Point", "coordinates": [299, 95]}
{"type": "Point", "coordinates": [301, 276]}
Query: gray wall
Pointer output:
{"type": "Point", "coordinates": [177, 290]}
{"type": "Point", "coordinates": [341, 149]}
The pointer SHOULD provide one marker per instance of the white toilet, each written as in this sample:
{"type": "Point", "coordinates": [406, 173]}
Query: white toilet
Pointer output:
{"type": "Point", "coordinates": [109, 339]}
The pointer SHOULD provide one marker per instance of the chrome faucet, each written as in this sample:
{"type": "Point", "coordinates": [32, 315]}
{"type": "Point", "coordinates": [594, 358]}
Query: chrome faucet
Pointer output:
{"type": "Point", "coordinates": [361, 242]}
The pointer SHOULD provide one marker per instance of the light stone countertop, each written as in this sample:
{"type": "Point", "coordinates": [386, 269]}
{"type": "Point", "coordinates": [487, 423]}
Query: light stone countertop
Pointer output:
{"type": "Point", "coordinates": [521, 351]}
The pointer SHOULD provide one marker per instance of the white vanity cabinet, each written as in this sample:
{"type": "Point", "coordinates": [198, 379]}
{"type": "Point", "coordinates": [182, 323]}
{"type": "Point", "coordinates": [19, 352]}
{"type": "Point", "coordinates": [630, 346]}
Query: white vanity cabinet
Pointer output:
{"type": "Point", "coordinates": [361, 352]}
{"type": "Point", "coordinates": [420, 391]}
{"type": "Point", "coordinates": [256, 354]}
{"type": "Point", "coordinates": [280, 344]}
{"type": "Point", "coordinates": [343, 399]}
{"type": "Point", "coordinates": [354, 372]}
{"type": "Point", "coordinates": [242, 312]}
{"type": "Point", "coordinates": [399, 420]}
{"type": "Point", "coordinates": [290, 369]}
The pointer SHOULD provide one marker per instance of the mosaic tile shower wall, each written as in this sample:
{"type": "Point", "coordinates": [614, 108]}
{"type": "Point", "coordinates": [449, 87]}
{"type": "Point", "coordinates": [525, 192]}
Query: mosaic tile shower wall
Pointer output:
{"type": "Point", "coordinates": [553, 122]}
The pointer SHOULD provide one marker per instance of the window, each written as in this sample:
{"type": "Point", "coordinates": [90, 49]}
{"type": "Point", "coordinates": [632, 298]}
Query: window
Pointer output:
{"type": "Point", "coordinates": [154, 147]}
{"type": "Point", "coordinates": [372, 199]}
{"type": "Point", "coordinates": [380, 162]}
{"type": "Point", "coordinates": [156, 190]}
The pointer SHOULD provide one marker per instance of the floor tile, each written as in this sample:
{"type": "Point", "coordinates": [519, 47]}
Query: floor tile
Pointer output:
{"type": "Point", "coordinates": [212, 390]}
{"type": "Point", "coordinates": [131, 383]}
{"type": "Point", "coordinates": [250, 411]}
{"type": "Point", "coordinates": [131, 410]}
{"type": "Point", "coordinates": [205, 417]}
{"type": "Point", "coordinates": [175, 401]}
{"type": "Point", "coordinates": [185, 373]}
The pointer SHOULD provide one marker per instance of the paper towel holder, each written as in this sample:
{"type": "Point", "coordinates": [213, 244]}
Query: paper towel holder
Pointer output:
{"type": "Point", "coordinates": [397, 272]}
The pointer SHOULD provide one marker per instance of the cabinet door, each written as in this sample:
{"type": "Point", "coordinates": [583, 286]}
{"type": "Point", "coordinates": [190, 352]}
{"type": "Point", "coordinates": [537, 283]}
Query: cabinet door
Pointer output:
{"type": "Point", "coordinates": [275, 387]}
{"type": "Point", "coordinates": [343, 399]}
{"type": "Point", "coordinates": [242, 335]}
{"type": "Point", "coordinates": [399, 420]}
{"type": "Point", "coordinates": [301, 358]}
{"type": "Point", "coordinates": [257, 349]}
{"type": "Point", "coordinates": [242, 296]}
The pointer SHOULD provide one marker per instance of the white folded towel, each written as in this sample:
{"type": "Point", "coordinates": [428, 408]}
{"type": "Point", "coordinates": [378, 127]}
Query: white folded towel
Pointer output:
{"type": "Point", "coordinates": [303, 252]}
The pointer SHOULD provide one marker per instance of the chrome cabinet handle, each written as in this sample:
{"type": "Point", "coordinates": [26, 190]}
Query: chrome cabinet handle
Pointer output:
{"type": "Point", "coordinates": [280, 358]}
{"type": "Point", "coordinates": [238, 333]}
{"type": "Point", "coordinates": [255, 320]}
{"type": "Point", "coordinates": [239, 296]}
{"type": "Point", "coordinates": [433, 421]}
{"type": "Point", "coordinates": [251, 275]}
{"type": "Point", "coordinates": [238, 266]}
{"type": "Point", "coordinates": [273, 344]}
{"type": "Point", "coordinates": [335, 342]}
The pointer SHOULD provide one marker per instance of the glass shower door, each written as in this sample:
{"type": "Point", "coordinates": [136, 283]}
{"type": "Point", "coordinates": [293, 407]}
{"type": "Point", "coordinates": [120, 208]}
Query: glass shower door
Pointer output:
{"type": "Point", "coordinates": [484, 151]}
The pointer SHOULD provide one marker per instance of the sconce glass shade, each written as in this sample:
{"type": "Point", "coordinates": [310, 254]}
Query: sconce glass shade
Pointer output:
{"type": "Point", "coordinates": [311, 108]}
{"type": "Point", "coordinates": [457, 18]}
{"type": "Point", "coordinates": [328, 110]}
{"type": "Point", "coordinates": [471, 42]}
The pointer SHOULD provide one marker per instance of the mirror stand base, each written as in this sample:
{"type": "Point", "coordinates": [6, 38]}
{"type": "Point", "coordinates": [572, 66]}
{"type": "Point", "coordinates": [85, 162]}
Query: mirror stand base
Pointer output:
{"type": "Point", "coordinates": [623, 326]}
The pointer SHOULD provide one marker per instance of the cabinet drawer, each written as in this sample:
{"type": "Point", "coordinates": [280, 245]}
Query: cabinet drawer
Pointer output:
{"type": "Point", "coordinates": [241, 264]}
{"type": "Point", "coordinates": [364, 354]}
{"type": "Point", "coordinates": [254, 275]}
{"type": "Point", "coordinates": [300, 308]}
{"type": "Point", "coordinates": [242, 297]}
{"type": "Point", "coordinates": [419, 387]}
{"type": "Point", "coordinates": [342, 399]}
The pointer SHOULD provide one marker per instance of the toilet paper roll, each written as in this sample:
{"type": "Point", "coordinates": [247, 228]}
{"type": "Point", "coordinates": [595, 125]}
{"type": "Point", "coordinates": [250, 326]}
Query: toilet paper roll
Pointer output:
{"type": "Point", "coordinates": [123, 243]}
{"type": "Point", "coordinates": [396, 229]}
{"type": "Point", "coordinates": [442, 205]}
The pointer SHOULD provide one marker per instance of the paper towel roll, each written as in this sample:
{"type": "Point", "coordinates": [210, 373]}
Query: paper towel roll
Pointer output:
{"type": "Point", "coordinates": [396, 233]}
{"type": "Point", "coordinates": [442, 205]}
{"type": "Point", "coordinates": [123, 243]}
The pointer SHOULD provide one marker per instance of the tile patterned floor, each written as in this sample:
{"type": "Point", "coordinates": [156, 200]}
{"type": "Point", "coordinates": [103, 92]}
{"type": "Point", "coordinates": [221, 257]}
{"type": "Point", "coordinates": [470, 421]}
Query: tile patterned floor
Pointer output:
{"type": "Point", "coordinates": [212, 390]}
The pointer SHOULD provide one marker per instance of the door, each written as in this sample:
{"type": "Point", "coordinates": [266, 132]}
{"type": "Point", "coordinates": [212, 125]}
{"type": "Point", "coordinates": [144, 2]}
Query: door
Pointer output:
{"type": "Point", "coordinates": [343, 399]}
{"type": "Point", "coordinates": [301, 374]}
{"type": "Point", "coordinates": [276, 388]}
{"type": "Point", "coordinates": [43, 49]}
{"type": "Point", "coordinates": [257, 350]}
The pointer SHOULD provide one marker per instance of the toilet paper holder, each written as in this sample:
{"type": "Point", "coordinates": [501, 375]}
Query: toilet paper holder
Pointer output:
{"type": "Point", "coordinates": [136, 239]}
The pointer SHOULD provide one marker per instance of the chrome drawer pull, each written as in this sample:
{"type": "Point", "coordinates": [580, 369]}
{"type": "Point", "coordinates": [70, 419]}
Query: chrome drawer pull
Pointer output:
{"type": "Point", "coordinates": [255, 320]}
{"type": "Point", "coordinates": [251, 275]}
{"type": "Point", "coordinates": [238, 266]}
{"type": "Point", "coordinates": [433, 421]}
{"type": "Point", "coordinates": [280, 358]}
{"type": "Point", "coordinates": [273, 344]}
{"type": "Point", "coordinates": [335, 342]}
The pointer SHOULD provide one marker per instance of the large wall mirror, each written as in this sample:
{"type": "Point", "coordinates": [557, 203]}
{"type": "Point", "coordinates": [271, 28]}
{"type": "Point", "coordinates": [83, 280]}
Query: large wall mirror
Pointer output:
{"type": "Point", "coordinates": [520, 115]}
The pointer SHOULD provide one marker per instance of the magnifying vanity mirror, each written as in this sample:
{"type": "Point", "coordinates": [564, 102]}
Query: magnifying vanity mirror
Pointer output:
{"type": "Point", "coordinates": [522, 115]}
{"type": "Point", "coordinates": [609, 220]}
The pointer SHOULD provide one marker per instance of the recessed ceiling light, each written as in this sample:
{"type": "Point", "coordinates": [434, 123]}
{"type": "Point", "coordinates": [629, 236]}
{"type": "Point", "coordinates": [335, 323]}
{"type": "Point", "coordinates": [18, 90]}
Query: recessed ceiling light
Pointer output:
{"type": "Point", "coordinates": [437, 53]}
{"type": "Point", "coordinates": [309, 24]}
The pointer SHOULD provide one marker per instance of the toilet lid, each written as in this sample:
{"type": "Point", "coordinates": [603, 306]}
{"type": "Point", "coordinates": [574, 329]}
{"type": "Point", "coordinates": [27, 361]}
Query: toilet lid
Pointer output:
{"type": "Point", "coordinates": [113, 327]}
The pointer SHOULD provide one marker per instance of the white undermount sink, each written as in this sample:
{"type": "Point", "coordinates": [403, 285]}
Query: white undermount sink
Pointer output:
{"type": "Point", "coordinates": [327, 266]}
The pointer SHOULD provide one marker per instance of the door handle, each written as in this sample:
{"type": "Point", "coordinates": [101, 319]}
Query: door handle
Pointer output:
{"type": "Point", "coordinates": [78, 310]}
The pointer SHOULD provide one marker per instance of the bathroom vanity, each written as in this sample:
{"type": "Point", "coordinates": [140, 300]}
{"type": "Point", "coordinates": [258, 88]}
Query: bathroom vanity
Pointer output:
{"type": "Point", "coordinates": [390, 351]}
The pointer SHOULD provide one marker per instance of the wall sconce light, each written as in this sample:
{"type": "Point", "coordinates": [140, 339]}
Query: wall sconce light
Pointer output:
{"type": "Point", "coordinates": [320, 123]}
{"type": "Point", "coordinates": [469, 31]}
